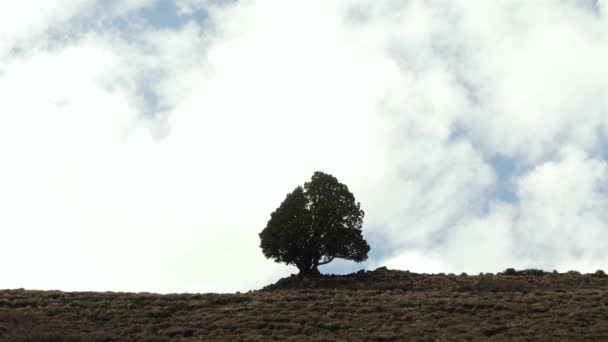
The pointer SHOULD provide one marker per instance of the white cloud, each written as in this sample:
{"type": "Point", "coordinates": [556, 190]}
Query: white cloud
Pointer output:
{"type": "Point", "coordinates": [403, 102]}
{"type": "Point", "coordinates": [187, 7]}
{"type": "Point", "coordinates": [537, 69]}
{"type": "Point", "coordinates": [23, 20]}
{"type": "Point", "coordinates": [415, 261]}
{"type": "Point", "coordinates": [481, 244]}
{"type": "Point", "coordinates": [559, 222]}
{"type": "Point", "coordinates": [563, 209]}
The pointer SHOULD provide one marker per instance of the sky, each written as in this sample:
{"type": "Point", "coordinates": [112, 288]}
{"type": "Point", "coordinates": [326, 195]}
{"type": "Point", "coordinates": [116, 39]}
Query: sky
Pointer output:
{"type": "Point", "coordinates": [144, 143]}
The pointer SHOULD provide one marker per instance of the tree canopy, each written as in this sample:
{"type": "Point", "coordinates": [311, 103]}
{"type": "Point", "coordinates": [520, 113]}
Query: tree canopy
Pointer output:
{"type": "Point", "coordinates": [314, 225]}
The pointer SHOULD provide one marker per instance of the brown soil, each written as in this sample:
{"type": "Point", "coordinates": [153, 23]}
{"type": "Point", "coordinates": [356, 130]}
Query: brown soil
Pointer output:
{"type": "Point", "coordinates": [380, 305]}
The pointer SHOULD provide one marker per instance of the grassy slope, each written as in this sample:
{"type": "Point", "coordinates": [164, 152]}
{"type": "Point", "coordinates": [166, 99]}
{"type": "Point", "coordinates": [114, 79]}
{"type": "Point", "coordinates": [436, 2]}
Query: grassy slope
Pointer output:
{"type": "Point", "coordinates": [381, 305]}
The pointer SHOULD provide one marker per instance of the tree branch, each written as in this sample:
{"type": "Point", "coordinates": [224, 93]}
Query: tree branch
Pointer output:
{"type": "Point", "coordinates": [326, 261]}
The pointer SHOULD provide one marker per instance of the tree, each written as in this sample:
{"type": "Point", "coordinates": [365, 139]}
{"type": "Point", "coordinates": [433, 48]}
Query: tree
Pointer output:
{"type": "Point", "coordinates": [314, 225]}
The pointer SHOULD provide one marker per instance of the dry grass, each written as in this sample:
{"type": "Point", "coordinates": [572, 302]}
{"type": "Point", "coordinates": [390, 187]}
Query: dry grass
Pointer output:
{"type": "Point", "coordinates": [373, 306]}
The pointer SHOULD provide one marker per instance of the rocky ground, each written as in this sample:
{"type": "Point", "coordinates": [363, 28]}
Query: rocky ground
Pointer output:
{"type": "Point", "coordinates": [380, 305]}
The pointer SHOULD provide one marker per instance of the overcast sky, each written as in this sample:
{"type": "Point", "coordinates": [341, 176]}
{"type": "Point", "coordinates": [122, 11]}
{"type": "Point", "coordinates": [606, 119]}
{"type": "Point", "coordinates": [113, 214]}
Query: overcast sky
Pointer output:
{"type": "Point", "coordinates": [144, 143]}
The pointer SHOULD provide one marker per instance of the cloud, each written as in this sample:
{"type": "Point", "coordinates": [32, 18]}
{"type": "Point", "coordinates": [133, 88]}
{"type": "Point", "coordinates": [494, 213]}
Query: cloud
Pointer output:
{"type": "Point", "coordinates": [536, 69]}
{"type": "Point", "coordinates": [189, 6]}
{"type": "Point", "coordinates": [146, 158]}
{"type": "Point", "coordinates": [22, 21]}
{"type": "Point", "coordinates": [563, 209]}
{"type": "Point", "coordinates": [525, 89]}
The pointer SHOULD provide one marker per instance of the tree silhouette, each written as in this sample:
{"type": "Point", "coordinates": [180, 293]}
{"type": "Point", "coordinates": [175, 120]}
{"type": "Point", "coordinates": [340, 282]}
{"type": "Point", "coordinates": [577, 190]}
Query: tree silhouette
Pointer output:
{"type": "Point", "coordinates": [314, 225]}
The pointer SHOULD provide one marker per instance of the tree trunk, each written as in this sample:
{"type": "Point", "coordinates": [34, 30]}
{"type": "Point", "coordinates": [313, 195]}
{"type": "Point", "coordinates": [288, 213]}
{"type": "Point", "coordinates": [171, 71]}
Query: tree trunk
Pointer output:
{"type": "Point", "coordinates": [309, 272]}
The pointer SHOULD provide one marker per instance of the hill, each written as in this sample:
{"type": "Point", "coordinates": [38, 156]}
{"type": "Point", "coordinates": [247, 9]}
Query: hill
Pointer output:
{"type": "Point", "coordinates": [380, 305]}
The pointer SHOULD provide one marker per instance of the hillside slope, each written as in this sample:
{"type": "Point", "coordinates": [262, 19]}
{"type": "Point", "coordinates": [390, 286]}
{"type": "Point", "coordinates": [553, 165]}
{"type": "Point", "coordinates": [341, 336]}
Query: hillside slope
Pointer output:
{"type": "Point", "coordinates": [380, 305]}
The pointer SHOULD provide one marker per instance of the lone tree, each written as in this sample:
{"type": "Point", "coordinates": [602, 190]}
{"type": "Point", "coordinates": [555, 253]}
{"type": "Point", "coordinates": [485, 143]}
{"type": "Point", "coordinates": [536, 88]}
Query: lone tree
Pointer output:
{"type": "Point", "coordinates": [314, 225]}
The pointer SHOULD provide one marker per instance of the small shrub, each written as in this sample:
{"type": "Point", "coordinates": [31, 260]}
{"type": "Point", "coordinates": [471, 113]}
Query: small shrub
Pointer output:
{"type": "Point", "coordinates": [225, 299]}
{"type": "Point", "coordinates": [179, 331]}
{"type": "Point", "coordinates": [385, 336]}
{"type": "Point", "coordinates": [532, 272]}
{"type": "Point", "coordinates": [151, 338]}
{"type": "Point", "coordinates": [53, 338]}
{"type": "Point", "coordinates": [510, 272]}
{"type": "Point", "coordinates": [158, 312]}
{"type": "Point", "coordinates": [493, 285]}
{"type": "Point", "coordinates": [491, 331]}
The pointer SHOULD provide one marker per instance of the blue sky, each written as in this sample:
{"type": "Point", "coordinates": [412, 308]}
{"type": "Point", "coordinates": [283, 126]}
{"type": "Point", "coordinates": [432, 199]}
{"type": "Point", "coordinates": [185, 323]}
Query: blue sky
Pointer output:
{"type": "Point", "coordinates": [164, 14]}
{"type": "Point", "coordinates": [473, 134]}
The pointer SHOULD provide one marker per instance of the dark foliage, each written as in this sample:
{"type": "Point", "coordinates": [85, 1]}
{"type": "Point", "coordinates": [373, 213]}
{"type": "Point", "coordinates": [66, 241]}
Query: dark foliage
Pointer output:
{"type": "Point", "coordinates": [510, 271]}
{"type": "Point", "coordinates": [527, 272]}
{"type": "Point", "coordinates": [52, 338]}
{"type": "Point", "coordinates": [314, 225]}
